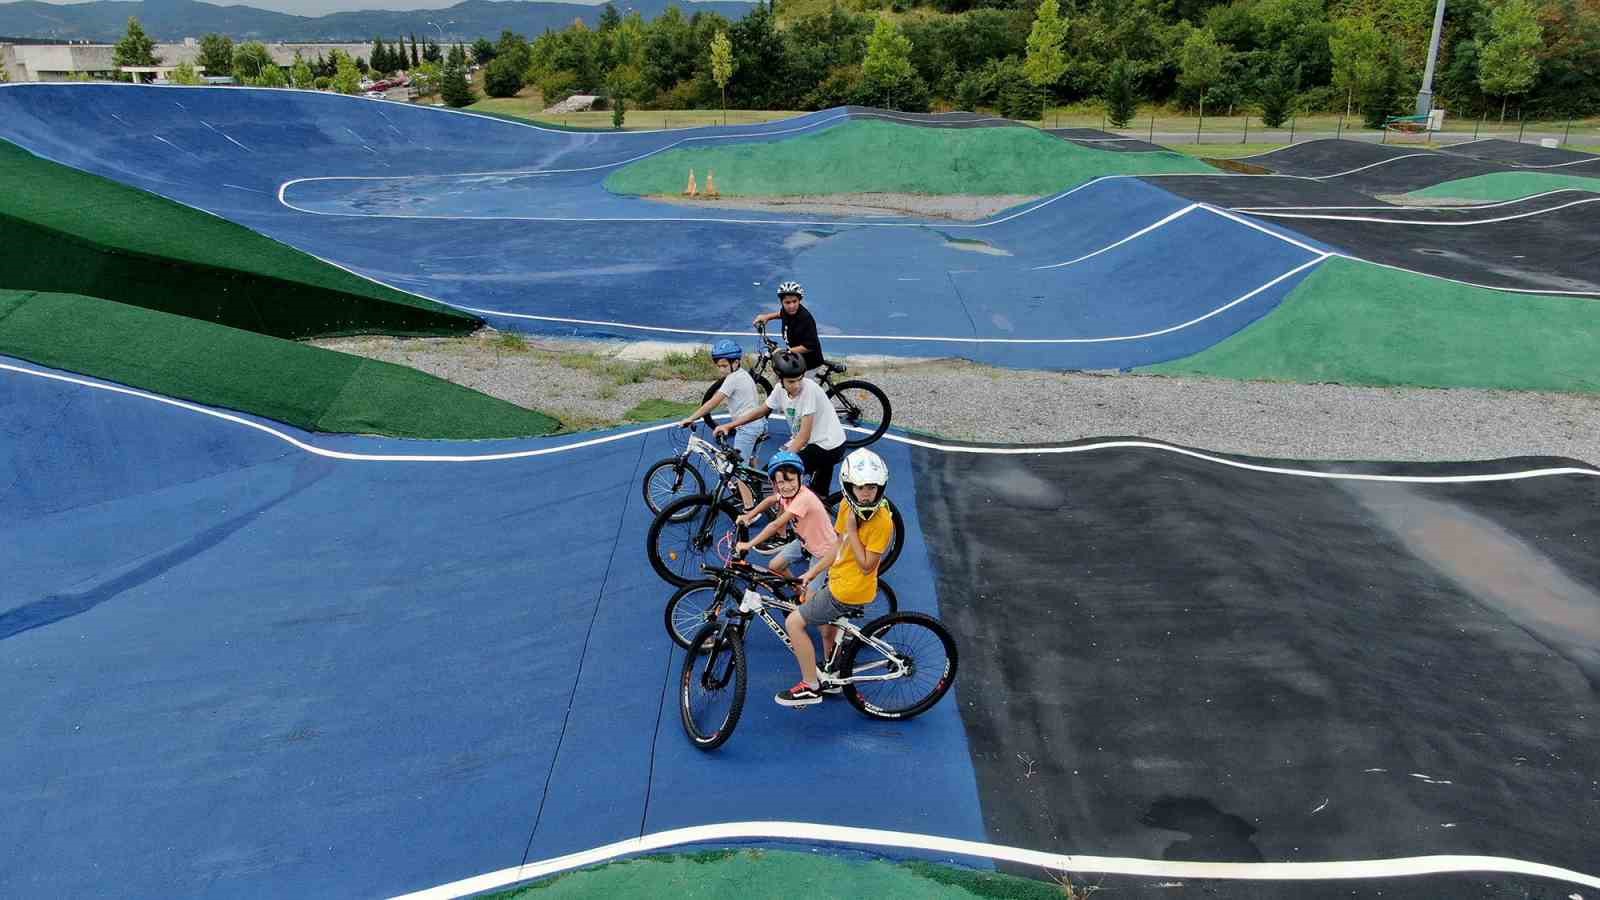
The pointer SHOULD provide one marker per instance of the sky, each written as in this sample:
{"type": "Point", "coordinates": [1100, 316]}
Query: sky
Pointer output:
{"type": "Point", "coordinates": [323, 7]}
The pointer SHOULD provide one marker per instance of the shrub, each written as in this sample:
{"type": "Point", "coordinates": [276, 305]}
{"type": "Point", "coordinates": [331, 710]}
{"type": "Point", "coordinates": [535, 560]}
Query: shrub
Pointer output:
{"type": "Point", "coordinates": [503, 78]}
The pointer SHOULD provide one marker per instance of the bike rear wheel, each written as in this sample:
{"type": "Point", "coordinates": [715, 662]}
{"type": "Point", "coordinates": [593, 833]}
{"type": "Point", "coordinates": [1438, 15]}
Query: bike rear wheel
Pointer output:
{"type": "Point", "coordinates": [689, 611]}
{"type": "Point", "coordinates": [688, 533]}
{"type": "Point", "coordinates": [860, 405]}
{"type": "Point", "coordinates": [711, 687]}
{"type": "Point", "coordinates": [929, 654]}
{"type": "Point", "coordinates": [669, 480]}
{"type": "Point", "coordinates": [891, 553]}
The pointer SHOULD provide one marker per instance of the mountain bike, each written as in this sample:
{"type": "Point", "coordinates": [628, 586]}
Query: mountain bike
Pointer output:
{"type": "Point", "coordinates": [862, 408]}
{"type": "Point", "coordinates": [693, 606]}
{"type": "Point", "coordinates": [679, 476]}
{"type": "Point", "coordinates": [699, 528]}
{"type": "Point", "coordinates": [894, 667]}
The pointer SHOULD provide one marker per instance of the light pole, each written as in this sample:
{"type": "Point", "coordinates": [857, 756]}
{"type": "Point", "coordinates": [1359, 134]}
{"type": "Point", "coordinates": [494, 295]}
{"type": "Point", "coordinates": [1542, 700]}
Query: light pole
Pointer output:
{"type": "Point", "coordinates": [1425, 96]}
{"type": "Point", "coordinates": [441, 46]}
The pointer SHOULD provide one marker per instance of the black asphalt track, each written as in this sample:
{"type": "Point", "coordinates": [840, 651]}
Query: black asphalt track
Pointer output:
{"type": "Point", "coordinates": [1528, 155]}
{"type": "Point", "coordinates": [1168, 658]}
{"type": "Point", "coordinates": [1556, 251]}
{"type": "Point", "coordinates": [1374, 168]}
{"type": "Point", "coordinates": [1096, 139]}
{"type": "Point", "coordinates": [1260, 191]}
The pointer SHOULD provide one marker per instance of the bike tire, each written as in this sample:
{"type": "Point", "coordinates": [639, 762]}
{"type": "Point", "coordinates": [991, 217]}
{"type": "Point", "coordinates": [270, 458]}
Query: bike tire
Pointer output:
{"type": "Point", "coordinates": [763, 390]}
{"type": "Point", "coordinates": [680, 537]}
{"type": "Point", "coordinates": [915, 636]}
{"type": "Point", "coordinates": [701, 676]}
{"type": "Point", "coordinates": [688, 611]}
{"type": "Point", "coordinates": [860, 405]}
{"type": "Point", "coordinates": [677, 478]}
{"type": "Point", "coordinates": [897, 543]}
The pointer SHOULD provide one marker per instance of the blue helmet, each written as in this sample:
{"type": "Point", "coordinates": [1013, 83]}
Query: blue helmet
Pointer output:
{"type": "Point", "coordinates": [785, 459]}
{"type": "Point", "coordinates": [727, 349]}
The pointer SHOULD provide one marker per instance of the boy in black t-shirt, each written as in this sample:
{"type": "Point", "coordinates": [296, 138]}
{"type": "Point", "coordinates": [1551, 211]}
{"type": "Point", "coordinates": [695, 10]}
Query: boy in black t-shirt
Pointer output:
{"type": "Point", "coordinates": [799, 329]}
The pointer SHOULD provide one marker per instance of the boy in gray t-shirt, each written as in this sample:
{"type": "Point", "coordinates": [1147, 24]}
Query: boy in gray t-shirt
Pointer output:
{"type": "Point", "coordinates": [738, 390]}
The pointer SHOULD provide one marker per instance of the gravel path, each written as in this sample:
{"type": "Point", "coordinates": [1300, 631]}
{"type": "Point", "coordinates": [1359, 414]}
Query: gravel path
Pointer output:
{"type": "Point", "coordinates": [961, 400]}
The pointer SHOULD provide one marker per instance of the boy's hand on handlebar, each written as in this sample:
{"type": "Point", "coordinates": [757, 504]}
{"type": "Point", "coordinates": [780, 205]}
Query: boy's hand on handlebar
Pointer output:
{"type": "Point", "coordinates": [722, 430]}
{"type": "Point", "coordinates": [741, 548]}
{"type": "Point", "coordinates": [687, 423]}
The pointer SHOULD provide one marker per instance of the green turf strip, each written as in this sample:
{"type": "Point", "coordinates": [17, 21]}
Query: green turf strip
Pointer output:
{"type": "Point", "coordinates": [884, 156]}
{"type": "Point", "coordinates": [1505, 186]}
{"type": "Point", "coordinates": [781, 875]}
{"type": "Point", "coordinates": [1352, 322]}
{"type": "Point", "coordinates": [301, 385]}
{"type": "Point", "coordinates": [67, 231]}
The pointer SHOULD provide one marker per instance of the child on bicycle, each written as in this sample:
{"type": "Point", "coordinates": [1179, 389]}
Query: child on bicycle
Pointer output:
{"type": "Point", "coordinates": [799, 328]}
{"type": "Point", "coordinates": [814, 429]}
{"type": "Point", "coordinates": [865, 527]}
{"type": "Point", "coordinates": [738, 391]}
{"type": "Point", "coordinates": [814, 539]}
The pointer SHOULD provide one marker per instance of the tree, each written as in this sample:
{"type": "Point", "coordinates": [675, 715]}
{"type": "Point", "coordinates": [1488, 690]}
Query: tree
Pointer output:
{"type": "Point", "coordinates": [425, 79]}
{"type": "Point", "coordinates": [432, 53]}
{"type": "Point", "coordinates": [1357, 48]}
{"type": "Point", "coordinates": [379, 55]}
{"type": "Point", "coordinates": [887, 67]}
{"type": "Point", "coordinates": [1046, 60]}
{"type": "Point", "coordinates": [1383, 97]}
{"type": "Point", "coordinates": [183, 74]}
{"type": "Point", "coordinates": [722, 67]}
{"type": "Point", "coordinates": [136, 48]}
{"type": "Point", "coordinates": [619, 110]}
{"type": "Point", "coordinates": [1276, 91]}
{"type": "Point", "coordinates": [1121, 102]}
{"type": "Point", "coordinates": [453, 86]}
{"type": "Point", "coordinates": [251, 61]}
{"type": "Point", "coordinates": [609, 18]}
{"type": "Point", "coordinates": [273, 77]}
{"type": "Point", "coordinates": [1200, 64]}
{"type": "Point", "coordinates": [1507, 63]}
{"type": "Point", "coordinates": [300, 73]}
{"type": "Point", "coordinates": [482, 51]}
{"type": "Point", "coordinates": [216, 54]}
{"type": "Point", "coordinates": [346, 77]}
{"type": "Point", "coordinates": [416, 59]}
{"type": "Point", "coordinates": [503, 77]}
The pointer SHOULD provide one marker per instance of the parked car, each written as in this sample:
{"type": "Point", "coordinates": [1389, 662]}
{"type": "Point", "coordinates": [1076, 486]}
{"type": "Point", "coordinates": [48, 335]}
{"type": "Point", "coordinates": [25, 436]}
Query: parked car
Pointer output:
{"type": "Point", "coordinates": [373, 95]}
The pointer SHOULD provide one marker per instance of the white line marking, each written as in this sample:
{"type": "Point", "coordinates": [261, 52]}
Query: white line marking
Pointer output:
{"type": "Point", "coordinates": [912, 442]}
{"type": "Point", "coordinates": [174, 146]}
{"type": "Point", "coordinates": [922, 338]}
{"type": "Point", "coordinates": [1525, 215]}
{"type": "Point", "coordinates": [1397, 867]}
{"type": "Point", "coordinates": [1381, 162]}
{"type": "Point", "coordinates": [1262, 228]}
{"type": "Point", "coordinates": [1137, 234]}
{"type": "Point", "coordinates": [1391, 207]}
{"type": "Point", "coordinates": [1490, 287]}
{"type": "Point", "coordinates": [229, 139]}
{"type": "Point", "coordinates": [238, 187]}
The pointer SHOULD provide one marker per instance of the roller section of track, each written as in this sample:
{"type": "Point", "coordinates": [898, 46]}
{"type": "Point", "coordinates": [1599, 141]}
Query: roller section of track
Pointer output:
{"type": "Point", "coordinates": [530, 239]}
{"type": "Point", "coordinates": [1205, 662]}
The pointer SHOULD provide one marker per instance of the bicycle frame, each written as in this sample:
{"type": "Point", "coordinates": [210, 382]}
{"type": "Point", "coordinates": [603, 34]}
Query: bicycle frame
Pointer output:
{"type": "Point", "coordinates": [739, 617]}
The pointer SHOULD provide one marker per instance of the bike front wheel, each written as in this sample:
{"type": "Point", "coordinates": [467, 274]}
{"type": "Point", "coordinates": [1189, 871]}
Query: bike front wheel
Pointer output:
{"type": "Point", "coordinates": [688, 533]}
{"type": "Point", "coordinates": [924, 673]}
{"type": "Point", "coordinates": [711, 687]}
{"type": "Point", "coordinates": [863, 406]}
{"type": "Point", "coordinates": [691, 609]}
{"type": "Point", "coordinates": [669, 480]}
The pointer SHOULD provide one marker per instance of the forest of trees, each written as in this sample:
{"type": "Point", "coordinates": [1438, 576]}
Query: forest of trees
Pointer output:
{"type": "Point", "coordinates": [1274, 58]}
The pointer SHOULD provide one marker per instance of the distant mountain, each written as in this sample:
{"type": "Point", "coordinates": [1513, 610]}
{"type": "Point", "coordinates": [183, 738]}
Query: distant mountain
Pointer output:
{"type": "Point", "coordinates": [174, 20]}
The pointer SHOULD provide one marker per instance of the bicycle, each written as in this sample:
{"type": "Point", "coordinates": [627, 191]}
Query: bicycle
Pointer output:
{"type": "Point", "coordinates": [689, 528]}
{"type": "Point", "coordinates": [860, 405]}
{"type": "Point", "coordinates": [678, 475]}
{"type": "Point", "coordinates": [917, 666]}
{"type": "Point", "coordinates": [692, 606]}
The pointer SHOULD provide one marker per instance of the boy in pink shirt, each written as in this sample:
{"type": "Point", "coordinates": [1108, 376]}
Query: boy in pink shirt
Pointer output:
{"type": "Point", "coordinates": [801, 508]}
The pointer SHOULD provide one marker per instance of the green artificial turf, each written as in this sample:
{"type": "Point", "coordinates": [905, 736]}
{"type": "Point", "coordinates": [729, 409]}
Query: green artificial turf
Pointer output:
{"type": "Point", "coordinates": [1497, 186]}
{"type": "Point", "coordinates": [300, 385]}
{"type": "Point", "coordinates": [66, 231]}
{"type": "Point", "coordinates": [884, 156]}
{"type": "Point", "coordinates": [1353, 322]}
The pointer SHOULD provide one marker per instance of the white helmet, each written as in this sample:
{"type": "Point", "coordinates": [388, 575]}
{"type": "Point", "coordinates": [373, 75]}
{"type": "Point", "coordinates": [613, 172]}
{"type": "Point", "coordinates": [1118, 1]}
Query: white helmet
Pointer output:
{"type": "Point", "coordinates": [864, 467]}
{"type": "Point", "coordinates": [792, 287]}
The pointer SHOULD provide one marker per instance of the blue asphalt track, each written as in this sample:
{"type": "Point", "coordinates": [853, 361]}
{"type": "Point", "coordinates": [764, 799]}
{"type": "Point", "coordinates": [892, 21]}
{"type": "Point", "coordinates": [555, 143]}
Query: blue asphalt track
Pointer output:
{"type": "Point", "coordinates": [513, 221]}
{"type": "Point", "coordinates": [237, 668]}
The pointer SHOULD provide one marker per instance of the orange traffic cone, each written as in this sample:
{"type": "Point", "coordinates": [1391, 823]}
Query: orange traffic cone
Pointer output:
{"type": "Point", "coordinates": [711, 183]}
{"type": "Point", "coordinates": [691, 190]}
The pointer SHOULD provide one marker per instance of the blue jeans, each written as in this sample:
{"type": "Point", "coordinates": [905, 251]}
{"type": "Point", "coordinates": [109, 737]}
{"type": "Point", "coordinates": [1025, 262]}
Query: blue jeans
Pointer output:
{"type": "Point", "coordinates": [744, 441]}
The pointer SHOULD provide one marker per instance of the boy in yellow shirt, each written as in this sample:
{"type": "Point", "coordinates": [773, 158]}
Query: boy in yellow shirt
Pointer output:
{"type": "Point", "coordinates": [865, 527]}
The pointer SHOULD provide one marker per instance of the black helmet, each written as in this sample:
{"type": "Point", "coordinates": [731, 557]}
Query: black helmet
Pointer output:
{"type": "Point", "coordinates": [789, 364]}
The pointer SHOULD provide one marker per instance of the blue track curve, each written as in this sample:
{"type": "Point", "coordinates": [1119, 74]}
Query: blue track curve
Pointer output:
{"type": "Point", "coordinates": [531, 232]}
{"type": "Point", "coordinates": [236, 668]}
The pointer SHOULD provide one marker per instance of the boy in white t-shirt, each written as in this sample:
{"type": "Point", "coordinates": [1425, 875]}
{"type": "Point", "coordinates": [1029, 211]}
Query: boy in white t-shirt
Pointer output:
{"type": "Point", "coordinates": [815, 432]}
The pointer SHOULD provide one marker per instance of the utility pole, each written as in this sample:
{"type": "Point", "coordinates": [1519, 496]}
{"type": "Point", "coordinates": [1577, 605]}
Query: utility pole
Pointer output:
{"type": "Point", "coordinates": [1425, 96]}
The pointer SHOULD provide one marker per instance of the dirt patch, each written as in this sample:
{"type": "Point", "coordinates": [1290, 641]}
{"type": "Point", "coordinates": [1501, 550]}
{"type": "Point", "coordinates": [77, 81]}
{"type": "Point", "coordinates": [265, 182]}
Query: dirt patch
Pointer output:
{"type": "Point", "coordinates": [959, 207]}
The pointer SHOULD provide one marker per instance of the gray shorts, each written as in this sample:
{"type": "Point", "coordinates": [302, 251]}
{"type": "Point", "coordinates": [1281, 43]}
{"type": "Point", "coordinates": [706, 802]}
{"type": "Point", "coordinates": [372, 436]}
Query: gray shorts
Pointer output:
{"type": "Point", "coordinates": [790, 554]}
{"type": "Point", "coordinates": [822, 609]}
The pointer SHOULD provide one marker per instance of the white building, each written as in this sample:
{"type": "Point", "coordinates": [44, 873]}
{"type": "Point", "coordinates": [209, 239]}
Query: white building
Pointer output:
{"type": "Point", "coordinates": [59, 62]}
